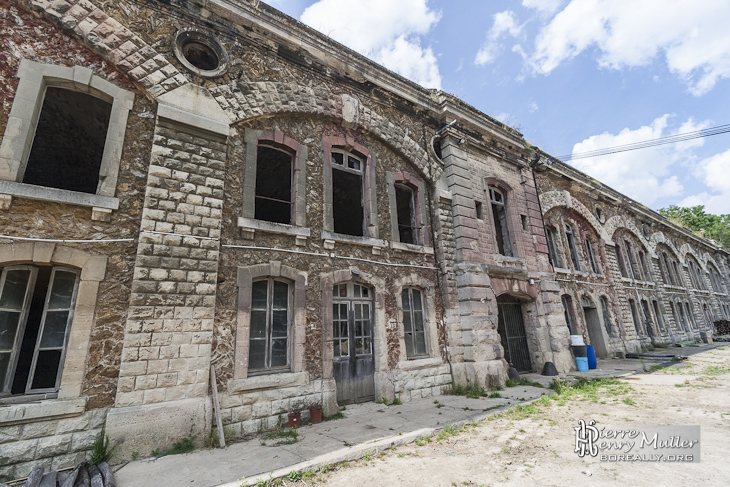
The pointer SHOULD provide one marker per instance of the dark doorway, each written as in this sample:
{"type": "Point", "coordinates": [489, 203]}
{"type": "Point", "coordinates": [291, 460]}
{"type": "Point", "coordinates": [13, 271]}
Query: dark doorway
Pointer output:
{"type": "Point", "coordinates": [511, 328]}
{"type": "Point", "coordinates": [352, 327]}
{"type": "Point", "coordinates": [595, 331]}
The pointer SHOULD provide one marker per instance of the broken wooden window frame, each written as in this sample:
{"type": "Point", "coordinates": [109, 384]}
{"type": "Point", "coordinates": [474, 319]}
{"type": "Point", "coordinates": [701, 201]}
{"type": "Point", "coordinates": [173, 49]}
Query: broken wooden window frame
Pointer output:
{"type": "Point", "coordinates": [632, 262]}
{"type": "Point", "coordinates": [658, 314]}
{"type": "Point", "coordinates": [297, 280]}
{"type": "Point", "coordinates": [567, 301]}
{"type": "Point", "coordinates": [620, 261]}
{"type": "Point", "coordinates": [33, 79]}
{"type": "Point", "coordinates": [634, 317]}
{"type": "Point", "coordinates": [552, 247]}
{"type": "Point", "coordinates": [419, 215]}
{"type": "Point", "coordinates": [572, 249]}
{"type": "Point", "coordinates": [591, 256]}
{"type": "Point", "coordinates": [500, 221]}
{"type": "Point", "coordinates": [248, 222]}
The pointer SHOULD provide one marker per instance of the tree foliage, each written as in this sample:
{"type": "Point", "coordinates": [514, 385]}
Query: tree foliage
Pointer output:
{"type": "Point", "coordinates": [716, 227]}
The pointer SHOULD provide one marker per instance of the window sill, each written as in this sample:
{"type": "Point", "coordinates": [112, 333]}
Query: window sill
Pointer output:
{"type": "Point", "coordinates": [249, 226]}
{"type": "Point", "coordinates": [56, 195]}
{"type": "Point", "coordinates": [268, 381]}
{"type": "Point", "coordinates": [420, 363]}
{"type": "Point", "coordinates": [331, 238]}
{"type": "Point", "coordinates": [405, 247]}
{"type": "Point", "coordinates": [12, 414]}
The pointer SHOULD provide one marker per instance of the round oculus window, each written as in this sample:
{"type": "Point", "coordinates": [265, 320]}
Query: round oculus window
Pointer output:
{"type": "Point", "coordinates": [200, 53]}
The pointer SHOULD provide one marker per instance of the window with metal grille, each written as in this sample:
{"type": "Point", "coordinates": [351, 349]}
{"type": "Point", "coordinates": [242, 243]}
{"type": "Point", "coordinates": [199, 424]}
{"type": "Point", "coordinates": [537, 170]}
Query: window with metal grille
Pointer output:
{"type": "Point", "coordinates": [405, 212]}
{"type": "Point", "coordinates": [348, 207]}
{"type": "Point", "coordinates": [501, 227]}
{"type": "Point", "coordinates": [606, 317]}
{"type": "Point", "coordinates": [591, 256]}
{"type": "Point", "coordinates": [571, 247]}
{"type": "Point", "coordinates": [552, 247]}
{"type": "Point", "coordinates": [414, 323]}
{"type": "Point", "coordinates": [273, 200]}
{"type": "Point", "coordinates": [36, 308]}
{"type": "Point", "coordinates": [270, 326]}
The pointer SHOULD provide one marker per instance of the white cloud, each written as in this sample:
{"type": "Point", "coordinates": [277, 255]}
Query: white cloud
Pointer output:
{"type": "Point", "coordinates": [544, 6]}
{"type": "Point", "coordinates": [533, 107]}
{"type": "Point", "coordinates": [715, 172]}
{"type": "Point", "coordinates": [641, 174]}
{"type": "Point", "coordinates": [692, 36]}
{"type": "Point", "coordinates": [386, 31]}
{"type": "Point", "coordinates": [504, 23]}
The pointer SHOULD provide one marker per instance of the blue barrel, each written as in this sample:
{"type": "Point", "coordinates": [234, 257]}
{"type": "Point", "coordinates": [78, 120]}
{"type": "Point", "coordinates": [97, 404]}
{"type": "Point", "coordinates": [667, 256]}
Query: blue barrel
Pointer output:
{"type": "Point", "coordinates": [582, 363]}
{"type": "Point", "coordinates": [592, 362]}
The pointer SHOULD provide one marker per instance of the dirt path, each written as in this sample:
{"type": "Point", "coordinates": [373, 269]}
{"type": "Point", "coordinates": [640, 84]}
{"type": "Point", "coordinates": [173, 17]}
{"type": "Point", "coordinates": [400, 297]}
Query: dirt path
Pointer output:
{"type": "Point", "coordinates": [535, 446]}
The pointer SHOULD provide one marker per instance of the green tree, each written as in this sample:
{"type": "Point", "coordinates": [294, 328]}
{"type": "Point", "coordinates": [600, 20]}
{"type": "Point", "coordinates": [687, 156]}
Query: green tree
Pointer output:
{"type": "Point", "coordinates": [716, 227]}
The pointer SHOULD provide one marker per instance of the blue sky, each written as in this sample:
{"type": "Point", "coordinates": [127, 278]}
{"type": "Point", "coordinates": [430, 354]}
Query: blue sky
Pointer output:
{"type": "Point", "coordinates": [571, 75]}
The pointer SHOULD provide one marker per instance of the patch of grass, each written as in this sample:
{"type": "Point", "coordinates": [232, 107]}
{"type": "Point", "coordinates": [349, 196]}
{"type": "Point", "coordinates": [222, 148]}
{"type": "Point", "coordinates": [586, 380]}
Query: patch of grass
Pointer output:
{"type": "Point", "coordinates": [285, 437]}
{"type": "Point", "coordinates": [524, 381]}
{"type": "Point", "coordinates": [495, 395]}
{"type": "Point", "coordinates": [101, 451]}
{"type": "Point", "coordinates": [473, 392]}
{"type": "Point", "coordinates": [654, 368]}
{"type": "Point", "coordinates": [183, 445]}
{"type": "Point", "coordinates": [716, 370]}
{"type": "Point", "coordinates": [333, 417]}
{"type": "Point", "coordinates": [628, 401]}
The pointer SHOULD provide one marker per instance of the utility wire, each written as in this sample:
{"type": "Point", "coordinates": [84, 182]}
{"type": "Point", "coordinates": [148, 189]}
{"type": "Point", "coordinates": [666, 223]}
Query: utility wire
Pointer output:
{"type": "Point", "coordinates": [670, 139]}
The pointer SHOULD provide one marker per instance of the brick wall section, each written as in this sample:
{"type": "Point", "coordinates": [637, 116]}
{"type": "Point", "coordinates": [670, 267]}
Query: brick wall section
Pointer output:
{"type": "Point", "coordinates": [169, 331]}
{"type": "Point", "coordinates": [108, 37]}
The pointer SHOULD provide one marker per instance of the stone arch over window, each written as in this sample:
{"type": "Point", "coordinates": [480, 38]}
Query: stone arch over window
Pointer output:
{"type": "Point", "coordinates": [408, 217]}
{"type": "Point", "coordinates": [617, 223]}
{"type": "Point", "coordinates": [696, 272]}
{"type": "Point", "coordinates": [92, 269]}
{"type": "Point", "coordinates": [377, 284]}
{"type": "Point", "coordinates": [40, 82]}
{"type": "Point", "coordinates": [715, 277]}
{"type": "Point", "coordinates": [427, 290]}
{"type": "Point", "coordinates": [554, 199]}
{"type": "Point", "coordinates": [273, 270]}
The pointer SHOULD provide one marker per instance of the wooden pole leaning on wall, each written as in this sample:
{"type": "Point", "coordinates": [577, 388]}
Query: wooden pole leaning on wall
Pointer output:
{"type": "Point", "coordinates": [217, 407]}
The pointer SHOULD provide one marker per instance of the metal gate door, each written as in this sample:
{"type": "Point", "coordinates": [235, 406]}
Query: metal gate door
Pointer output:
{"type": "Point", "coordinates": [511, 328]}
{"type": "Point", "coordinates": [352, 327]}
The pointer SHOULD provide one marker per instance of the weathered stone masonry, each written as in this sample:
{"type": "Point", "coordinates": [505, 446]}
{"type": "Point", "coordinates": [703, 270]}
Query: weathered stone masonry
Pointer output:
{"type": "Point", "coordinates": [169, 248]}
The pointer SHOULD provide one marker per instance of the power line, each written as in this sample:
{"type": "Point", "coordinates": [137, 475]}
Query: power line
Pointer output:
{"type": "Point", "coordinates": [670, 139]}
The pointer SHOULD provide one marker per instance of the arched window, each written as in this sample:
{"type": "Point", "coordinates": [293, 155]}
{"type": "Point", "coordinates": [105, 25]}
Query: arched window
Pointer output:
{"type": "Point", "coordinates": [552, 247]}
{"type": "Point", "coordinates": [571, 247]}
{"type": "Point", "coordinates": [591, 256]}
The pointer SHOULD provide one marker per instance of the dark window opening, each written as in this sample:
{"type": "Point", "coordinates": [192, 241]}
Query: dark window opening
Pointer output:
{"type": "Point", "coordinates": [644, 267]}
{"type": "Point", "coordinates": [682, 316]}
{"type": "Point", "coordinates": [568, 309]}
{"type": "Point", "coordinates": [571, 247]}
{"type": "Point", "coordinates": [501, 228]}
{"type": "Point", "coordinates": [620, 261]}
{"type": "Point", "coordinates": [479, 209]}
{"type": "Point", "coordinates": [660, 321]}
{"type": "Point", "coordinates": [200, 55]}
{"type": "Point", "coordinates": [273, 185]}
{"type": "Point", "coordinates": [69, 141]}
{"type": "Point", "coordinates": [348, 209]}
{"type": "Point", "coordinates": [35, 311]}
{"type": "Point", "coordinates": [591, 257]}
{"type": "Point", "coordinates": [524, 222]}
{"type": "Point", "coordinates": [404, 197]}
{"type": "Point", "coordinates": [632, 264]}
{"type": "Point", "coordinates": [647, 318]}
{"type": "Point", "coordinates": [634, 318]}
{"type": "Point", "coordinates": [680, 281]}
{"type": "Point", "coordinates": [606, 317]}
{"type": "Point", "coordinates": [552, 248]}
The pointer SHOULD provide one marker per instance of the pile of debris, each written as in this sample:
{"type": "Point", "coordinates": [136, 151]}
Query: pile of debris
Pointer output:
{"type": "Point", "coordinates": [722, 331]}
{"type": "Point", "coordinates": [82, 475]}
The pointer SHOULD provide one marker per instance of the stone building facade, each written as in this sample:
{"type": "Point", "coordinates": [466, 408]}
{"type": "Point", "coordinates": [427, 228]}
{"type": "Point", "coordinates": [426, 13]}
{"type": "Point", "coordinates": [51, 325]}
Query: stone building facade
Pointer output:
{"type": "Point", "coordinates": [211, 195]}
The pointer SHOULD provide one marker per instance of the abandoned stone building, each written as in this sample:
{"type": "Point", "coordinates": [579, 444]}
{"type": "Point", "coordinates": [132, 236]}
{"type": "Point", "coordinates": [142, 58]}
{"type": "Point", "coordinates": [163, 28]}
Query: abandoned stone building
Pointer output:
{"type": "Point", "coordinates": [212, 198]}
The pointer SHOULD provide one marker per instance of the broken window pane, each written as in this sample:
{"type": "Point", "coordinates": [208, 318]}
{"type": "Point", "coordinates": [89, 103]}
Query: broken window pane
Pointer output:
{"type": "Point", "coordinates": [273, 185]}
{"type": "Point", "coordinates": [69, 141]}
{"type": "Point", "coordinates": [552, 248]}
{"type": "Point", "coordinates": [404, 197]}
{"type": "Point", "coordinates": [571, 247]}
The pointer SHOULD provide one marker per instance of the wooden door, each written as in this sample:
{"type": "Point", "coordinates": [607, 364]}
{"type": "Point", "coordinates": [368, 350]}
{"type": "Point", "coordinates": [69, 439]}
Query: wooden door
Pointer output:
{"type": "Point", "coordinates": [352, 327]}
